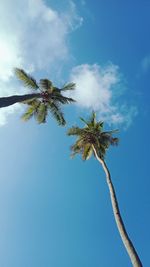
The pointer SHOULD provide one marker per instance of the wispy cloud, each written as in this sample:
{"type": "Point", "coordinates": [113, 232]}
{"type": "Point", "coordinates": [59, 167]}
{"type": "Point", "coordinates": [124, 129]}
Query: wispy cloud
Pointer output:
{"type": "Point", "coordinates": [32, 36]}
{"type": "Point", "coordinates": [101, 89]}
{"type": "Point", "coordinates": [146, 63]}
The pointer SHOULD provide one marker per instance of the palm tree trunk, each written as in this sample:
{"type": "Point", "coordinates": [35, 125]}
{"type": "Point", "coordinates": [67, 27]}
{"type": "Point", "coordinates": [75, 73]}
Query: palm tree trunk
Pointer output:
{"type": "Point", "coordinates": [10, 100]}
{"type": "Point", "coordinates": [121, 228]}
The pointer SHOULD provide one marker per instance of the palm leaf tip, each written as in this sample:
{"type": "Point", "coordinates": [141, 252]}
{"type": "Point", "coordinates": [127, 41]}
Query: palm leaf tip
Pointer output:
{"type": "Point", "coordinates": [93, 116]}
{"type": "Point", "coordinates": [68, 86]}
{"type": "Point", "coordinates": [27, 80]}
{"type": "Point", "coordinates": [70, 132]}
{"type": "Point", "coordinates": [71, 99]}
{"type": "Point", "coordinates": [61, 121]}
{"type": "Point", "coordinates": [66, 100]}
{"type": "Point", "coordinates": [57, 113]}
{"type": "Point", "coordinates": [83, 120]}
{"type": "Point", "coordinates": [114, 141]}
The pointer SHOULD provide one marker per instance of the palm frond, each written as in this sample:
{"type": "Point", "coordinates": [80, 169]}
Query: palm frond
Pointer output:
{"type": "Point", "coordinates": [87, 152]}
{"type": "Point", "coordinates": [101, 149]}
{"type": "Point", "coordinates": [83, 120]}
{"type": "Point", "coordinates": [32, 101]}
{"type": "Point", "coordinates": [99, 126]}
{"type": "Point", "coordinates": [114, 141]}
{"type": "Point", "coordinates": [28, 114]}
{"type": "Point", "coordinates": [68, 100]}
{"type": "Point", "coordinates": [41, 113]}
{"type": "Point", "coordinates": [92, 124]}
{"type": "Point", "coordinates": [62, 99]}
{"type": "Point", "coordinates": [107, 138]}
{"type": "Point", "coordinates": [110, 132]}
{"type": "Point", "coordinates": [92, 118]}
{"type": "Point", "coordinates": [68, 86]}
{"type": "Point", "coordinates": [46, 85]}
{"type": "Point", "coordinates": [27, 80]}
{"type": "Point", "coordinates": [56, 112]}
{"type": "Point", "coordinates": [75, 131]}
{"type": "Point", "coordinates": [77, 148]}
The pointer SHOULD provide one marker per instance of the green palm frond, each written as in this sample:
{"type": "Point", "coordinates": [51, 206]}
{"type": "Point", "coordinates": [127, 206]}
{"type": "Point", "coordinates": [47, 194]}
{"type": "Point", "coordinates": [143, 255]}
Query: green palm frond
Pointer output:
{"type": "Point", "coordinates": [77, 148]}
{"type": "Point", "coordinates": [91, 122]}
{"type": "Point", "coordinates": [56, 112]}
{"type": "Point", "coordinates": [67, 100]}
{"type": "Point", "coordinates": [92, 119]}
{"type": "Point", "coordinates": [28, 114]}
{"type": "Point", "coordinates": [68, 86]}
{"type": "Point", "coordinates": [27, 80]}
{"type": "Point", "coordinates": [31, 110]}
{"type": "Point", "coordinates": [32, 101]}
{"type": "Point", "coordinates": [46, 85]}
{"type": "Point", "coordinates": [83, 120]}
{"type": "Point", "coordinates": [41, 113]}
{"type": "Point", "coordinates": [62, 99]}
{"type": "Point", "coordinates": [87, 152]}
{"type": "Point", "coordinates": [99, 126]}
{"type": "Point", "coordinates": [75, 131]}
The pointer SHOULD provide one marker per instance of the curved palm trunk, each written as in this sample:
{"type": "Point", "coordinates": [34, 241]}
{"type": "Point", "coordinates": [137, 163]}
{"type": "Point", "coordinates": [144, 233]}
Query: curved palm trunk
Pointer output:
{"type": "Point", "coordinates": [121, 228]}
{"type": "Point", "coordinates": [10, 100]}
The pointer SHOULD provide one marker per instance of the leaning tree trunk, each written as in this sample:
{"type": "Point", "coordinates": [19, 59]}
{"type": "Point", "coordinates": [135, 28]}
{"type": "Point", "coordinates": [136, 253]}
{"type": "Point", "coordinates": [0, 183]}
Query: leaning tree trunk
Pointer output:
{"type": "Point", "coordinates": [121, 228]}
{"type": "Point", "coordinates": [10, 100]}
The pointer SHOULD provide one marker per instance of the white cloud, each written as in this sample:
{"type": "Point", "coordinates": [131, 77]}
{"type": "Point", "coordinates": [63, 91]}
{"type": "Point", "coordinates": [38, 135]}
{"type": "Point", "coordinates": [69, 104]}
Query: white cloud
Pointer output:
{"type": "Point", "coordinates": [4, 113]}
{"type": "Point", "coordinates": [32, 36]}
{"type": "Point", "coordinates": [100, 89]}
{"type": "Point", "coordinates": [146, 63]}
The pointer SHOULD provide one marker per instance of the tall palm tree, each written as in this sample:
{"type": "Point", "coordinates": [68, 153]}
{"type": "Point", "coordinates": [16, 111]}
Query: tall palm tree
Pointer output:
{"type": "Point", "coordinates": [46, 98]}
{"type": "Point", "coordinates": [93, 140]}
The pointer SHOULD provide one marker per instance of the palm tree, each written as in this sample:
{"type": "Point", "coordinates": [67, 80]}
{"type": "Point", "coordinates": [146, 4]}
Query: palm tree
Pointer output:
{"type": "Point", "coordinates": [46, 98]}
{"type": "Point", "coordinates": [93, 140]}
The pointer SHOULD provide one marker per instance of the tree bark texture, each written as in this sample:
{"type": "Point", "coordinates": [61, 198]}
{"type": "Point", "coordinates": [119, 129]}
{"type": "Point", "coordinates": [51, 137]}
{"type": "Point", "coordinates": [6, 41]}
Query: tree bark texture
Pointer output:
{"type": "Point", "coordinates": [10, 100]}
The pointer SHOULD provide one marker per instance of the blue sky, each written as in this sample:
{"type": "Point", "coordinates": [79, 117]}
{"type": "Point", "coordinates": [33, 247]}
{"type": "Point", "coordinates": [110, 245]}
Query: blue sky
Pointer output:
{"type": "Point", "coordinates": [55, 211]}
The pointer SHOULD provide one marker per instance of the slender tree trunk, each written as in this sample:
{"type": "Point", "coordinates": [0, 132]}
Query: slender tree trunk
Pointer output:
{"type": "Point", "coordinates": [121, 228]}
{"type": "Point", "coordinates": [10, 100]}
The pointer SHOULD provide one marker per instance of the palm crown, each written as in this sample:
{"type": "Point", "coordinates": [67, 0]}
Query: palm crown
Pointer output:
{"type": "Point", "coordinates": [49, 99]}
{"type": "Point", "coordinates": [92, 137]}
